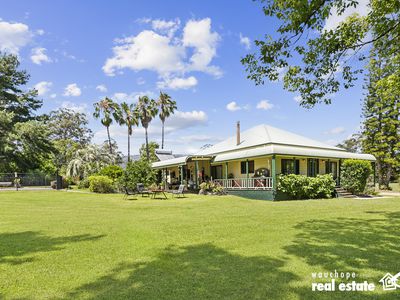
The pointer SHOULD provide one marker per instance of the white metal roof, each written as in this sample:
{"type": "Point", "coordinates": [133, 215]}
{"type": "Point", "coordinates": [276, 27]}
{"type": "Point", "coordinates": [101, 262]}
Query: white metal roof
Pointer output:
{"type": "Point", "coordinates": [266, 140]}
{"type": "Point", "coordinates": [290, 150]}
{"type": "Point", "coordinates": [262, 135]}
{"type": "Point", "coordinates": [170, 162]}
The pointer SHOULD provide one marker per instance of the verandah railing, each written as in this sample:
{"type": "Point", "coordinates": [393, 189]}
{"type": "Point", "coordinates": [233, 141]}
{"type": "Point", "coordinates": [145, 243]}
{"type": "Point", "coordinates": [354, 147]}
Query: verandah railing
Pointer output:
{"type": "Point", "coordinates": [262, 183]}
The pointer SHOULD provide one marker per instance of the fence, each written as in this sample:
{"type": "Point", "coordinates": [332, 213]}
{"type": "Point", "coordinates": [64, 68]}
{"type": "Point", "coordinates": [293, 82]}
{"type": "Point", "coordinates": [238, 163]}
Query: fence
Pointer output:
{"type": "Point", "coordinates": [27, 179]}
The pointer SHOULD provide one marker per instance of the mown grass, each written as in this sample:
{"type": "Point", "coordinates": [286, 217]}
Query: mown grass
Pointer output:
{"type": "Point", "coordinates": [66, 245]}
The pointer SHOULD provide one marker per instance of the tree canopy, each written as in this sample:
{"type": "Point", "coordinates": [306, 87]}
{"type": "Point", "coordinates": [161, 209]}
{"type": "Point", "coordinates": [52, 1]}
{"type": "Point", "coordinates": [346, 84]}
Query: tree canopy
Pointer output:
{"type": "Point", "coordinates": [313, 59]}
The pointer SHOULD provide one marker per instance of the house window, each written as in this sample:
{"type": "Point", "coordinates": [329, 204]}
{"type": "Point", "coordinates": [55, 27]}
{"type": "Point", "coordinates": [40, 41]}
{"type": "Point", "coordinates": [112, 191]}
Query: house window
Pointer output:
{"type": "Point", "coordinates": [290, 166]}
{"type": "Point", "coordinates": [312, 167]}
{"type": "Point", "coordinates": [243, 167]}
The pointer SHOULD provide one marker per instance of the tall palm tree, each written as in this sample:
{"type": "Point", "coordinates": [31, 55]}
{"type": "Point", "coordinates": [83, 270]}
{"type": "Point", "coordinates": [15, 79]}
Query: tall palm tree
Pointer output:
{"type": "Point", "coordinates": [107, 110]}
{"type": "Point", "coordinates": [128, 117]}
{"type": "Point", "coordinates": [146, 110]}
{"type": "Point", "coordinates": [167, 108]}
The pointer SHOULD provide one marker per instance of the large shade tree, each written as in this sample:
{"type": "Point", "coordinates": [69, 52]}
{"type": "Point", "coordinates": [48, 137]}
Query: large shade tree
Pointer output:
{"type": "Point", "coordinates": [146, 110]}
{"type": "Point", "coordinates": [167, 107]}
{"type": "Point", "coordinates": [316, 60]}
{"type": "Point", "coordinates": [107, 111]}
{"type": "Point", "coordinates": [129, 117]}
{"type": "Point", "coordinates": [24, 138]}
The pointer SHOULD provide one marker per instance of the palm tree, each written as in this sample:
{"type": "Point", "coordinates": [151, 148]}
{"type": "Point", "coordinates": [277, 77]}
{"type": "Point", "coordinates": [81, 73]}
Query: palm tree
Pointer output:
{"type": "Point", "coordinates": [89, 160]}
{"type": "Point", "coordinates": [129, 118]}
{"type": "Point", "coordinates": [146, 110]}
{"type": "Point", "coordinates": [167, 107]}
{"type": "Point", "coordinates": [107, 110]}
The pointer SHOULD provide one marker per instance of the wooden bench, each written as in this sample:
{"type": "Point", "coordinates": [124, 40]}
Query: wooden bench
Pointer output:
{"type": "Point", "coordinates": [6, 184]}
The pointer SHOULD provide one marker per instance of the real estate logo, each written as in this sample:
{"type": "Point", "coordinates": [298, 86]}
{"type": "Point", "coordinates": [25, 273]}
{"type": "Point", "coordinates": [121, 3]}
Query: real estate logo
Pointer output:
{"type": "Point", "coordinates": [389, 282]}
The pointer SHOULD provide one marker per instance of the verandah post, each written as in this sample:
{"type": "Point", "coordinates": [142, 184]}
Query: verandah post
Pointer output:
{"type": "Point", "coordinates": [196, 170]}
{"type": "Point", "coordinates": [226, 170]}
{"type": "Point", "coordinates": [273, 172]}
{"type": "Point", "coordinates": [181, 173]}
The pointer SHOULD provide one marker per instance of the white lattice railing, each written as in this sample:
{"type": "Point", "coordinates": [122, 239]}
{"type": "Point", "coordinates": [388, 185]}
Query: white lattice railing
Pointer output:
{"type": "Point", "coordinates": [262, 183]}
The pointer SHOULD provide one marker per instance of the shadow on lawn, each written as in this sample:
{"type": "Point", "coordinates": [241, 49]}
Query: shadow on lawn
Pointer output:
{"type": "Point", "coordinates": [194, 272]}
{"type": "Point", "coordinates": [15, 246]}
{"type": "Point", "coordinates": [353, 245]}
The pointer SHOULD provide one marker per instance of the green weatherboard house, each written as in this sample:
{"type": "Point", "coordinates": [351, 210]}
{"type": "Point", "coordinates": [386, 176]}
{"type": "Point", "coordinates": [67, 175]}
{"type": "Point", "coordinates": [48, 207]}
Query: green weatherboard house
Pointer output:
{"type": "Point", "coordinates": [248, 164]}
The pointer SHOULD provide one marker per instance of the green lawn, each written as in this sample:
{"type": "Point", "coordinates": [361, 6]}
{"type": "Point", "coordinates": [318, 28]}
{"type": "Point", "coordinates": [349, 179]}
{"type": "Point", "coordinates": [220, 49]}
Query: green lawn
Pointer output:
{"type": "Point", "coordinates": [57, 245]}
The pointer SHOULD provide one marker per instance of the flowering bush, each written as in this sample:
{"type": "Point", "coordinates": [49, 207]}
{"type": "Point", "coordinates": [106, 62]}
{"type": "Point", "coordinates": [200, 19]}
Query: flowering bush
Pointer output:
{"type": "Point", "coordinates": [303, 187]}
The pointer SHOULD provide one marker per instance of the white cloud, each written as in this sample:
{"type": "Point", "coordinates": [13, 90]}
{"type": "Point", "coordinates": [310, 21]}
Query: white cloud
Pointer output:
{"type": "Point", "coordinates": [233, 106]}
{"type": "Point", "coordinates": [336, 130]}
{"type": "Point", "coordinates": [40, 32]}
{"type": "Point", "coordinates": [146, 51]}
{"type": "Point", "coordinates": [140, 81]}
{"type": "Point", "coordinates": [265, 105]}
{"type": "Point", "coordinates": [72, 90]}
{"type": "Point", "coordinates": [102, 88]}
{"type": "Point", "coordinates": [120, 97]}
{"type": "Point", "coordinates": [43, 87]}
{"type": "Point", "coordinates": [198, 34]}
{"type": "Point", "coordinates": [82, 108]}
{"type": "Point", "coordinates": [169, 55]}
{"type": "Point", "coordinates": [178, 83]}
{"type": "Point", "coordinates": [334, 20]}
{"type": "Point", "coordinates": [14, 36]}
{"type": "Point", "coordinates": [38, 55]}
{"type": "Point", "coordinates": [131, 97]}
{"type": "Point", "coordinates": [53, 96]}
{"type": "Point", "coordinates": [186, 119]}
{"type": "Point", "coordinates": [245, 41]}
{"type": "Point", "coordinates": [298, 98]}
{"type": "Point", "coordinates": [163, 26]}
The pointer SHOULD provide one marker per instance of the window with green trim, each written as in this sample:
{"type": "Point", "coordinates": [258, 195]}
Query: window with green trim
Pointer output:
{"type": "Point", "coordinates": [312, 167]}
{"type": "Point", "coordinates": [290, 166]}
{"type": "Point", "coordinates": [243, 167]}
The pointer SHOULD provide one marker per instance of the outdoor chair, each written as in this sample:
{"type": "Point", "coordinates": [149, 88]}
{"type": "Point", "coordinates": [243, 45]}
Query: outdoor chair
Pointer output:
{"type": "Point", "coordinates": [142, 190]}
{"type": "Point", "coordinates": [128, 192]}
{"type": "Point", "coordinates": [179, 192]}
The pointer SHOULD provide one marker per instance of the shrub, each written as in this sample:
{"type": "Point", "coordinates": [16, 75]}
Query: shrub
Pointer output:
{"type": "Point", "coordinates": [139, 171]}
{"type": "Point", "coordinates": [101, 184]}
{"type": "Point", "coordinates": [303, 187]}
{"type": "Point", "coordinates": [83, 184]}
{"type": "Point", "coordinates": [112, 171]}
{"type": "Point", "coordinates": [354, 175]}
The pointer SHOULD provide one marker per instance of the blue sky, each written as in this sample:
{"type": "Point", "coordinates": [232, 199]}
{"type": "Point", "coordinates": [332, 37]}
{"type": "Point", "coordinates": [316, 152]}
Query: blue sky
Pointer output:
{"type": "Point", "coordinates": [80, 51]}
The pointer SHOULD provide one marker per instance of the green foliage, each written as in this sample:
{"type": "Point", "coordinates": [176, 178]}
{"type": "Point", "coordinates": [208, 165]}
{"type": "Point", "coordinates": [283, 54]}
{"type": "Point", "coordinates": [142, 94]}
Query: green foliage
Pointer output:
{"type": "Point", "coordinates": [381, 111]}
{"type": "Point", "coordinates": [89, 160]}
{"type": "Point", "coordinates": [146, 110]}
{"type": "Point", "coordinates": [83, 184]}
{"type": "Point", "coordinates": [354, 175]}
{"type": "Point", "coordinates": [352, 144]}
{"type": "Point", "coordinates": [24, 140]}
{"type": "Point", "coordinates": [167, 108]}
{"type": "Point", "coordinates": [313, 59]}
{"type": "Point", "coordinates": [112, 171]}
{"type": "Point", "coordinates": [139, 171]}
{"type": "Point", "coordinates": [303, 187]}
{"type": "Point", "coordinates": [152, 151]}
{"type": "Point", "coordinates": [107, 110]}
{"type": "Point", "coordinates": [100, 184]}
{"type": "Point", "coordinates": [211, 187]}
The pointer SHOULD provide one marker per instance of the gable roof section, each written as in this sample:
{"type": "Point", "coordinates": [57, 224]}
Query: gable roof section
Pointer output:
{"type": "Point", "coordinates": [264, 135]}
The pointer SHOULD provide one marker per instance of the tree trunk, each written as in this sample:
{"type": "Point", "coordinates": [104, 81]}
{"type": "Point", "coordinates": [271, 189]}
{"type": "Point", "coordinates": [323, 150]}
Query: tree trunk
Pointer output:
{"type": "Point", "coordinates": [109, 139]}
{"type": "Point", "coordinates": [162, 135]}
{"type": "Point", "coordinates": [129, 147]}
{"type": "Point", "coordinates": [147, 144]}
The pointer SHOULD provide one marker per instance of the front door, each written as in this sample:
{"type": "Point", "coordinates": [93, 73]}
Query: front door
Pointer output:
{"type": "Point", "coordinates": [331, 167]}
{"type": "Point", "coordinates": [216, 172]}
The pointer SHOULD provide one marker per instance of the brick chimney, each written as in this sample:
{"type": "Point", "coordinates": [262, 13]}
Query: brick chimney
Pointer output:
{"type": "Point", "coordinates": [238, 133]}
